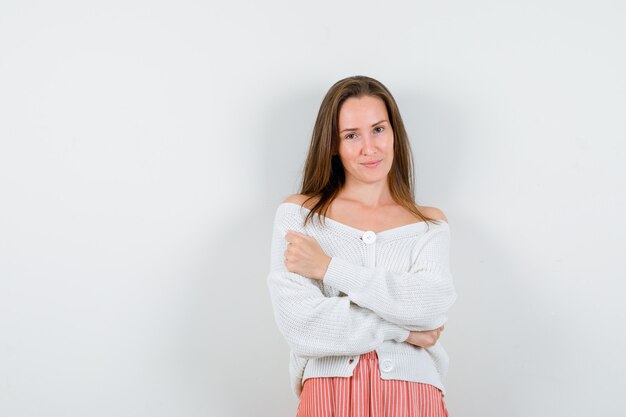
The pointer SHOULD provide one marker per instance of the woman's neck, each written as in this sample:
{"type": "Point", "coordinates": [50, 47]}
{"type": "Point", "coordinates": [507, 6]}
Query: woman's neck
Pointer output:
{"type": "Point", "coordinates": [369, 195]}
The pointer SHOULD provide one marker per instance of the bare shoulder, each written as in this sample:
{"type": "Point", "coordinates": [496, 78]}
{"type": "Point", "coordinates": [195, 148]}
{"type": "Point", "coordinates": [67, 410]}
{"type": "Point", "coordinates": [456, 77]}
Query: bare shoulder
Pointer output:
{"type": "Point", "coordinates": [300, 199]}
{"type": "Point", "coordinates": [433, 213]}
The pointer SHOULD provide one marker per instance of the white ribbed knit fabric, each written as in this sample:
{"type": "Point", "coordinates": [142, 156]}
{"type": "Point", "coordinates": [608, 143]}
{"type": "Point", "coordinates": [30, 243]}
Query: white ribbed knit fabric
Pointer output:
{"type": "Point", "coordinates": [378, 286]}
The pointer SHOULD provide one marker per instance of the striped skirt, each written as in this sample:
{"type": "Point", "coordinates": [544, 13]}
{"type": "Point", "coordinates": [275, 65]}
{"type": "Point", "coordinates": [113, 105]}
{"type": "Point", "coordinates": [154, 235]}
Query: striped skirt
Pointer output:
{"type": "Point", "coordinates": [365, 394]}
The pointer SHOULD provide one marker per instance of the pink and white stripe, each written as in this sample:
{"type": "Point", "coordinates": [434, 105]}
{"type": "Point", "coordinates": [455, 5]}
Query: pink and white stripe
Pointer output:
{"type": "Point", "coordinates": [365, 394]}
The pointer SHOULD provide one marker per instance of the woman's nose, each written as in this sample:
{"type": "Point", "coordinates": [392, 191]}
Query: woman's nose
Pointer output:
{"type": "Point", "coordinates": [368, 145]}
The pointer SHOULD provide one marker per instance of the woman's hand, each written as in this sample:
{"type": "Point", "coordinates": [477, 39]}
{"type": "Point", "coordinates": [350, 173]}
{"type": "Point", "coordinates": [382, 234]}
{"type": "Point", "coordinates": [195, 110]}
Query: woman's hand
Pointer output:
{"type": "Point", "coordinates": [304, 256]}
{"type": "Point", "coordinates": [425, 338]}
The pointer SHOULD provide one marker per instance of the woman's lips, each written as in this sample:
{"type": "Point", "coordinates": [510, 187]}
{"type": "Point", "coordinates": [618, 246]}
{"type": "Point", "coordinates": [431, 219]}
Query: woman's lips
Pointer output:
{"type": "Point", "coordinates": [372, 164]}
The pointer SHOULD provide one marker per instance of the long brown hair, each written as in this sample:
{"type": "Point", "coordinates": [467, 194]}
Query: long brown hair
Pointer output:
{"type": "Point", "coordinates": [324, 173]}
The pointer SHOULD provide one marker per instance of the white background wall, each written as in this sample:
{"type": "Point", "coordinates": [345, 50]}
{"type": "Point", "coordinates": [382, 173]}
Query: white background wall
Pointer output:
{"type": "Point", "coordinates": [144, 146]}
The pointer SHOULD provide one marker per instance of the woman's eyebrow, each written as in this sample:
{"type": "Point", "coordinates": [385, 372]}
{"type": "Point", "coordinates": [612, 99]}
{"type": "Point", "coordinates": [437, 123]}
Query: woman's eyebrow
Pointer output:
{"type": "Point", "coordinates": [356, 128]}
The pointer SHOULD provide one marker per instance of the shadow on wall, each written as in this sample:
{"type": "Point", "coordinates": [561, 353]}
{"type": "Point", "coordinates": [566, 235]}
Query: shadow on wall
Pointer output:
{"type": "Point", "coordinates": [239, 364]}
{"type": "Point", "coordinates": [439, 142]}
{"type": "Point", "coordinates": [290, 120]}
{"type": "Point", "coordinates": [240, 361]}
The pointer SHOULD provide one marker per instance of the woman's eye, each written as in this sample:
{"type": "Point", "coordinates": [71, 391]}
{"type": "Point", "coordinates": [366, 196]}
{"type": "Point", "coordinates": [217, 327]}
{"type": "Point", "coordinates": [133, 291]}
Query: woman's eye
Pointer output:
{"type": "Point", "coordinates": [379, 129]}
{"type": "Point", "coordinates": [350, 136]}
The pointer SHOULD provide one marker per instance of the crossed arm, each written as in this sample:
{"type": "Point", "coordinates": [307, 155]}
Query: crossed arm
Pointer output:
{"type": "Point", "coordinates": [379, 306]}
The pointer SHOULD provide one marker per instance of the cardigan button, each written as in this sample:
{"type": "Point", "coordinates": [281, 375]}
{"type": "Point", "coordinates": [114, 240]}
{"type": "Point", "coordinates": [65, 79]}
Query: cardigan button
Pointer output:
{"type": "Point", "coordinates": [386, 365]}
{"type": "Point", "coordinates": [369, 237]}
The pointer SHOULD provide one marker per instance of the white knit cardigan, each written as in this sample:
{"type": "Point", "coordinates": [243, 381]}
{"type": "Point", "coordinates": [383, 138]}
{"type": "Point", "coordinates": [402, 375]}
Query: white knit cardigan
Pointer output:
{"type": "Point", "coordinates": [377, 288]}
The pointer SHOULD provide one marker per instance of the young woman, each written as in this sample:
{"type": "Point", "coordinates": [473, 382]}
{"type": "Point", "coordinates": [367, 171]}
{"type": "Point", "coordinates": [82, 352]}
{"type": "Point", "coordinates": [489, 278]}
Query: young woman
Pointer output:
{"type": "Point", "coordinates": [360, 280]}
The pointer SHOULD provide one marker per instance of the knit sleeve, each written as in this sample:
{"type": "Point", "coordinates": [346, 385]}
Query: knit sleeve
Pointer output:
{"type": "Point", "coordinates": [315, 325]}
{"type": "Point", "coordinates": [416, 300]}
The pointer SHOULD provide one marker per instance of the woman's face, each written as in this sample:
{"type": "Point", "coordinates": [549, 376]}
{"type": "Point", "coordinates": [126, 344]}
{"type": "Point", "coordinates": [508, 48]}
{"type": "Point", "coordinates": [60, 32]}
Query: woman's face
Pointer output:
{"type": "Point", "coordinates": [365, 139]}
